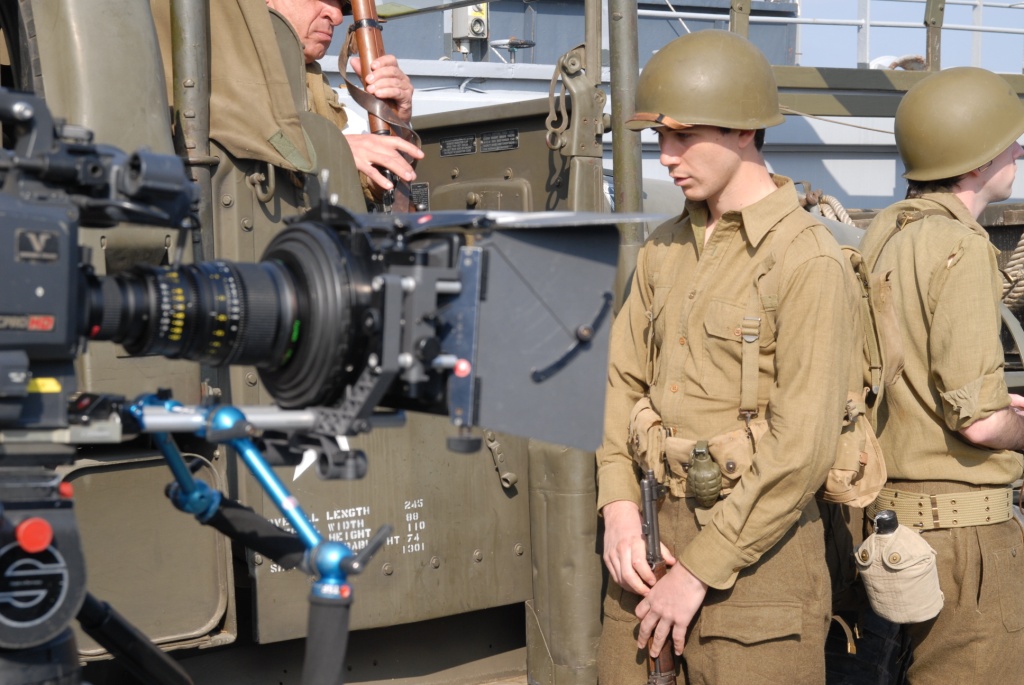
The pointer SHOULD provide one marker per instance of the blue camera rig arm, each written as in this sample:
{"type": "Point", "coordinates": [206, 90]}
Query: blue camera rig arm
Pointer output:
{"type": "Point", "coordinates": [329, 563]}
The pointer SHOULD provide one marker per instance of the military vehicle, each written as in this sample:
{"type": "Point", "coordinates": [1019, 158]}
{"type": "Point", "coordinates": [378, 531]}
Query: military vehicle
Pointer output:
{"type": "Point", "coordinates": [494, 569]}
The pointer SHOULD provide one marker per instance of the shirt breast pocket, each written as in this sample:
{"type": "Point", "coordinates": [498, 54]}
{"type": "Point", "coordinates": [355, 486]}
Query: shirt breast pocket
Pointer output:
{"type": "Point", "coordinates": [723, 348]}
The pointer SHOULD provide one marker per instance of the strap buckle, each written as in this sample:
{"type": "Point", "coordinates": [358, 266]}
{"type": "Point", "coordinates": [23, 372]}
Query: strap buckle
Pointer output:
{"type": "Point", "coordinates": [751, 328]}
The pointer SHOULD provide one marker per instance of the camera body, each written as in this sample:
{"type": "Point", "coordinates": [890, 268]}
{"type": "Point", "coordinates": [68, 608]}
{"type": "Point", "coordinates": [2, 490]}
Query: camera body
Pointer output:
{"type": "Point", "coordinates": [54, 181]}
{"type": "Point", "coordinates": [39, 336]}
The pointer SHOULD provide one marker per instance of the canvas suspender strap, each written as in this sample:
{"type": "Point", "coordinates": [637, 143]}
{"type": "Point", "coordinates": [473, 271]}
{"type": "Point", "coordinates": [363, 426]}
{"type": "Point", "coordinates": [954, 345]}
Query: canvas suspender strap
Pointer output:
{"type": "Point", "coordinates": [871, 343]}
{"type": "Point", "coordinates": [750, 328]}
{"type": "Point", "coordinates": [750, 331]}
{"type": "Point", "coordinates": [886, 348]}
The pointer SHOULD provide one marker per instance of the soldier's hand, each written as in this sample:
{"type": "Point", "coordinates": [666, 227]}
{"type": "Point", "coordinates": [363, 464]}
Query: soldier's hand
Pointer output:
{"type": "Point", "coordinates": [625, 553]}
{"type": "Point", "coordinates": [388, 82]}
{"type": "Point", "coordinates": [372, 152]}
{"type": "Point", "coordinates": [667, 610]}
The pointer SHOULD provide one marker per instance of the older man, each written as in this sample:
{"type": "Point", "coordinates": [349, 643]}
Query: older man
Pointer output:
{"type": "Point", "coordinates": [314, 21]}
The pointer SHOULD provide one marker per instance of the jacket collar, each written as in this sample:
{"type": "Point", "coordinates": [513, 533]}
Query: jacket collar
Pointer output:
{"type": "Point", "coordinates": [952, 204]}
{"type": "Point", "coordinates": [758, 219]}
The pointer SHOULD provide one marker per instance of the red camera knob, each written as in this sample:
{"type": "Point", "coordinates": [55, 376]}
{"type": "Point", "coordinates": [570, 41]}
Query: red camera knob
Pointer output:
{"type": "Point", "coordinates": [34, 534]}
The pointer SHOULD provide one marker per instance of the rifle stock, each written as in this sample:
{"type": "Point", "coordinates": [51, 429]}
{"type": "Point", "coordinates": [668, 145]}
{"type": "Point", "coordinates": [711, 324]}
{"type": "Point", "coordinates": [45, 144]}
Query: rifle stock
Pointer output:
{"type": "Point", "coordinates": [661, 670]}
{"type": "Point", "coordinates": [369, 43]}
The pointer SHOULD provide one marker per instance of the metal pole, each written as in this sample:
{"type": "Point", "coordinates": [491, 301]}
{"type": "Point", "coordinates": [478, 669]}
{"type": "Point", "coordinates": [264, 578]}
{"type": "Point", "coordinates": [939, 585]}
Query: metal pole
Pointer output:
{"type": "Point", "coordinates": [190, 63]}
{"type": "Point", "coordinates": [592, 38]}
{"type": "Point", "coordinates": [976, 15]}
{"type": "Point", "coordinates": [626, 156]}
{"type": "Point", "coordinates": [933, 16]}
{"type": "Point", "coordinates": [190, 41]}
{"type": "Point", "coordinates": [739, 17]}
{"type": "Point", "coordinates": [864, 35]}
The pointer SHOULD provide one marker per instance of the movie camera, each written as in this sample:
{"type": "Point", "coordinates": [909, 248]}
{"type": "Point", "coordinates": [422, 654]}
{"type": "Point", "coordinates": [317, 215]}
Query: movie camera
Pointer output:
{"type": "Point", "coordinates": [481, 316]}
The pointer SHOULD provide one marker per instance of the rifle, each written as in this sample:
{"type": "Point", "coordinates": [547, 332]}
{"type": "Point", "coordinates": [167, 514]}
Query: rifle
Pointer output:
{"type": "Point", "coordinates": [369, 42]}
{"type": "Point", "coordinates": [661, 670]}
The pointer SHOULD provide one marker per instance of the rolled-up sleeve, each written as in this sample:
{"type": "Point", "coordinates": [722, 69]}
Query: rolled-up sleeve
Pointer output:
{"type": "Point", "coordinates": [964, 344]}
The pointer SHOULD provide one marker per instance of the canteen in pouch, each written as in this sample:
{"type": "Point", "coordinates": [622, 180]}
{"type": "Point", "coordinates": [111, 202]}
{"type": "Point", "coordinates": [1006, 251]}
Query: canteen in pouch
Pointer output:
{"type": "Point", "coordinates": [898, 568]}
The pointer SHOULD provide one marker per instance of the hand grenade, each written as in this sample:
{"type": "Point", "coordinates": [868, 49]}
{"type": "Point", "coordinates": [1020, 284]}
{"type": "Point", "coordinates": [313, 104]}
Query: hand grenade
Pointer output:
{"type": "Point", "coordinates": [705, 476]}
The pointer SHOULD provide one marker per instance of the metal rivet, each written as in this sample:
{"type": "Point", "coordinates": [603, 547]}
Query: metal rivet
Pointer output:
{"type": "Point", "coordinates": [257, 559]}
{"type": "Point", "coordinates": [519, 549]}
{"type": "Point", "coordinates": [387, 569]}
{"type": "Point", "coordinates": [227, 200]}
{"type": "Point", "coordinates": [246, 224]}
{"type": "Point", "coordinates": [478, 556]}
{"type": "Point", "coordinates": [435, 562]}
{"type": "Point", "coordinates": [250, 379]}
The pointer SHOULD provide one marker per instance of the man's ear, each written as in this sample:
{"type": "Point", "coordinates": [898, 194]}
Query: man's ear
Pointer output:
{"type": "Point", "coordinates": [746, 138]}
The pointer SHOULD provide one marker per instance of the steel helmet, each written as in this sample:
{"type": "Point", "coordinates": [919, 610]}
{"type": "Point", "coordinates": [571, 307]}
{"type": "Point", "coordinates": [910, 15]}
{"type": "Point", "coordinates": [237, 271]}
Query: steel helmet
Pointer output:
{"type": "Point", "coordinates": [711, 77]}
{"type": "Point", "coordinates": [954, 121]}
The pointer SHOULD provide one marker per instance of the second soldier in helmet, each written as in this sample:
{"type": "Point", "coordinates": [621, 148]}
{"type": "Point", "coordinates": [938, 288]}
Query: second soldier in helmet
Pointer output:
{"type": "Point", "coordinates": [949, 429]}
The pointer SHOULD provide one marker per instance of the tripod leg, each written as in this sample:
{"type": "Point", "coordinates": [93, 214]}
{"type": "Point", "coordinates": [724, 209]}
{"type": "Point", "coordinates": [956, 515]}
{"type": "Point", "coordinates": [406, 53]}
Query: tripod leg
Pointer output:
{"type": "Point", "coordinates": [128, 645]}
{"type": "Point", "coordinates": [54, 663]}
{"type": "Point", "coordinates": [326, 640]}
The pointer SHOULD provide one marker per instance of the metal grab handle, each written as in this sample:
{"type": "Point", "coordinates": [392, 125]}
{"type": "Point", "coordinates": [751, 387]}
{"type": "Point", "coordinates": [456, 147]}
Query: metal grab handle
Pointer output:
{"type": "Point", "coordinates": [270, 178]}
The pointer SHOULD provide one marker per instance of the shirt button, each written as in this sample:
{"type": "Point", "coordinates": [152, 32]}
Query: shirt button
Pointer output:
{"type": "Point", "coordinates": [682, 340]}
{"type": "Point", "coordinates": [693, 294]}
{"type": "Point", "coordinates": [674, 387]}
{"type": "Point", "coordinates": [736, 332]}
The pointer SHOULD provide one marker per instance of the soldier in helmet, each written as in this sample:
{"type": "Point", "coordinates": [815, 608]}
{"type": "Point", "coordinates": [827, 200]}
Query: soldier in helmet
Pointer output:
{"type": "Point", "coordinates": [948, 427]}
{"type": "Point", "coordinates": [747, 595]}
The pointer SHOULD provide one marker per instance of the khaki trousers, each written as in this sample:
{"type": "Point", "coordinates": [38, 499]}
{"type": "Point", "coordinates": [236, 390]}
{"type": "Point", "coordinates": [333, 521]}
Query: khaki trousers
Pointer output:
{"type": "Point", "coordinates": [769, 628]}
{"type": "Point", "coordinates": [978, 637]}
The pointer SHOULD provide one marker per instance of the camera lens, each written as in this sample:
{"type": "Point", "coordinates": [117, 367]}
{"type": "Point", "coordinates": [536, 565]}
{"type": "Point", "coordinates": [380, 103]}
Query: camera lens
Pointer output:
{"type": "Point", "coordinates": [290, 315]}
{"type": "Point", "coordinates": [214, 312]}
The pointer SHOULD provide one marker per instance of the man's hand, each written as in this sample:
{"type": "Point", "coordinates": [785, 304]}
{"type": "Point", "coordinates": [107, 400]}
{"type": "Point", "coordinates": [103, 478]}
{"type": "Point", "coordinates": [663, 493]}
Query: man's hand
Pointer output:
{"type": "Point", "coordinates": [387, 82]}
{"type": "Point", "coordinates": [668, 609]}
{"type": "Point", "coordinates": [625, 552]}
{"type": "Point", "coordinates": [371, 151]}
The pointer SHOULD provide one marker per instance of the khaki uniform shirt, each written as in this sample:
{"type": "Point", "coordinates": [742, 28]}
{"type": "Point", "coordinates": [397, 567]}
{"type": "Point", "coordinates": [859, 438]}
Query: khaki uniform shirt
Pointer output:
{"type": "Point", "coordinates": [946, 290]}
{"type": "Point", "coordinates": [322, 99]}
{"type": "Point", "coordinates": [691, 299]}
